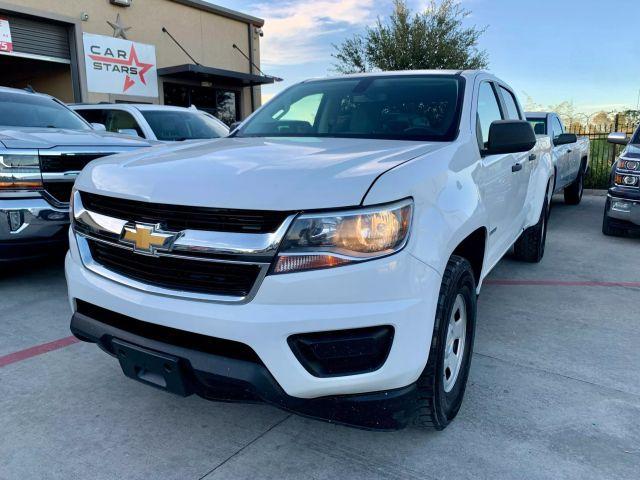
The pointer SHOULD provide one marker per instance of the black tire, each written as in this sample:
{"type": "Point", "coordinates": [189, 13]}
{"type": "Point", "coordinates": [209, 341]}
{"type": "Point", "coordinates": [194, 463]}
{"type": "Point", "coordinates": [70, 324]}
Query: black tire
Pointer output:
{"type": "Point", "coordinates": [530, 246]}
{"type": "Point", "coordinates": [608, 229]}
{"type": "Point", "coordinates": [437, 407]}
{"type": "Point", "coordinates": [573, 193]}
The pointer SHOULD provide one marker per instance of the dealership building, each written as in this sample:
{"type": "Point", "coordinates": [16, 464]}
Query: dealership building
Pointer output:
{"type": "Point", "coordinates": [172, 52]}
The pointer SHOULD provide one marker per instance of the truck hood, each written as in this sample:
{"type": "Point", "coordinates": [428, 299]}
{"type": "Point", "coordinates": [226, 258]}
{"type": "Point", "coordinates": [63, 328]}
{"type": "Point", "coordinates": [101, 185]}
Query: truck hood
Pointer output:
{"type": "Point", "coordinates": [253, 173]}
{"type": "Point", "coordinates": [43, 138]}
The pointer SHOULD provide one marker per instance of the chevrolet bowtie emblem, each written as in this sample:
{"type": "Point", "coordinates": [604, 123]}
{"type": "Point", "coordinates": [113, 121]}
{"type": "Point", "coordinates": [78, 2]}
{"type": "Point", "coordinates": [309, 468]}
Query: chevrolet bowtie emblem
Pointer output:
{"type": "Point", "coordinates": [147, 238]}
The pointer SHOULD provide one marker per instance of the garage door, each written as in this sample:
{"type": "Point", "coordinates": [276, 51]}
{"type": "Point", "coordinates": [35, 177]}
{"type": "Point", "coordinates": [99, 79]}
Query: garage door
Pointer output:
{"type": "Point", "coordinates": [39, 38]}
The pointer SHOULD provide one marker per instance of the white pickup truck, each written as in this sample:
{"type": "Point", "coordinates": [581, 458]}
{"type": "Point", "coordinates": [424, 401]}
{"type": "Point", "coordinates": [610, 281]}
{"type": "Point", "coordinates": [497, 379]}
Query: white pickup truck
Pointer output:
{"type": "Point", "coordinates": [571, 155]}
{"type": "Point", "coordinates": [325, 257]}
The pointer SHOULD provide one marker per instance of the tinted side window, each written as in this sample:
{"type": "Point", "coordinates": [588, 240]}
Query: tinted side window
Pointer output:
{"type": "Point", "coordinates": [513, 112]}
{"type": "Point", "coordinates": [556, 126]}
{"type": "Point", "coordinates": [120, 120]}
{"type": "Point", "coordinates": [113, 120]}
{"type": "Point", "coordinates": [488, 112]}
{"type": "Point", "coordinates": [93, 116]}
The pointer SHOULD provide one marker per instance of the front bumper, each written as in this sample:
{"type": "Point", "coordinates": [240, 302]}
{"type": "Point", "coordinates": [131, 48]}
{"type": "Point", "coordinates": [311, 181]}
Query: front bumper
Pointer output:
{"type": "Point", "coordinates": [217, 377]}
{"type": "Point", "coordinates": [625, 210]}
{"type": "Point", "coordinates": [399, 291]}
{"type": "Point", "coordinates": [41, 228]}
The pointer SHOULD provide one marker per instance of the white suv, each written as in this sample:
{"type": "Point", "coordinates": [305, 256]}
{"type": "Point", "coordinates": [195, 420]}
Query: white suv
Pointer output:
{"type": "Point", "coordinates": [325, 257]}
{"type": "Point", "coordinates": [154, 122]}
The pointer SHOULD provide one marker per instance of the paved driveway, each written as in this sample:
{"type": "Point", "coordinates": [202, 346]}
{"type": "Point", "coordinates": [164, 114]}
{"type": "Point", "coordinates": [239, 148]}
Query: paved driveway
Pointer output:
{"type": "Point", "coordinates": [554, 390]}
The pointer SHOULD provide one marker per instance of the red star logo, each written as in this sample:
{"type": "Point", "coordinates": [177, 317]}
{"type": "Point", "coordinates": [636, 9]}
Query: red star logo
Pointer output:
{"type": "Point", "coordinates": [133, 59]}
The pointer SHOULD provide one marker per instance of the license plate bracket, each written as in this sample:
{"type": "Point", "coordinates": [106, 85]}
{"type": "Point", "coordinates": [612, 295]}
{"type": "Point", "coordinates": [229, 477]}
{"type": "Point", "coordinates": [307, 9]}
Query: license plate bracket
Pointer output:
{"type": "Point", "coordinates": [156, 369]}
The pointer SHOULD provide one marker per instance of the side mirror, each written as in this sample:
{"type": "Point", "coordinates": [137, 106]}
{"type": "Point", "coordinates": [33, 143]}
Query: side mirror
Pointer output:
{"type": "Point", "coordinates": [510, 136]}
{"type": "Point", "coordinates": [132, 132]}
{"type": "Point", "coordinates": [99, 127]}
{"type": "Point", "coordinates": [234, 125]}
{"type": "Point", "coordinates": [619, 138]}
{"type": "Point", "coordinates": [565, 139]}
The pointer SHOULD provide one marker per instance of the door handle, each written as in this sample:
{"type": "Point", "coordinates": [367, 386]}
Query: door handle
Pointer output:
{"type": "Point", "coordinates": [532, 157]}
{"type": "Point", "coordinates": [517, 167]}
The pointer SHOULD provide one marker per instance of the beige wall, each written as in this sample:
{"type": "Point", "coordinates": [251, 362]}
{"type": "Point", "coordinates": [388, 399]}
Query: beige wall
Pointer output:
{"type": "Point", "coordinates": [208, 37]}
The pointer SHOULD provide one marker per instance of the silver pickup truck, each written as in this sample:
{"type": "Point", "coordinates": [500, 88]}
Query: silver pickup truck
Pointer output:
{"type": "Point", "coordinates": [43, 147]}
{"type": "Point", "coordinates": [571, 154]}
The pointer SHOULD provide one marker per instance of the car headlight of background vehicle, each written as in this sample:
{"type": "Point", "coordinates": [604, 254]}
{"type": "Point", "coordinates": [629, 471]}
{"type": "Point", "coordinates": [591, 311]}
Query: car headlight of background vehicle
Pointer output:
{"type": "Point", "coordinates": [322, 240]}
{"type": "Point", "coordinates": [630, 165]}
{"type": "Point", "coordinates": [20, 172]}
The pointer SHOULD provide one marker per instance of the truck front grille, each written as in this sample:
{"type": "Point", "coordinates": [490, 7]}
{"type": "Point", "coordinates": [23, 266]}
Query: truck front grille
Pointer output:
{"type": "Point", "coordinates": [180, 217]}
{"type": "Point", "coordinates": [66, 163]}
{"type": "Point", "coordinates": [59, 191]}
{"type": "Point", "coordinates": [177, 273]}
{"type": "Point", "coordinates": [59, 173]}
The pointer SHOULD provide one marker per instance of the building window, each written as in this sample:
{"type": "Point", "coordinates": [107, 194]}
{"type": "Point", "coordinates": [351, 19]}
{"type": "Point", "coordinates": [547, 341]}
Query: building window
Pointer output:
{"type": "Point", "coordinates": [220, 102]}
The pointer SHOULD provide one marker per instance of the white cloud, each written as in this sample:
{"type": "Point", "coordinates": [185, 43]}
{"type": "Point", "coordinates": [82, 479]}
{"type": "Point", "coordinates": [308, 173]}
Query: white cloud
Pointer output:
{"type": "Point", "coordinates": [300, 31]}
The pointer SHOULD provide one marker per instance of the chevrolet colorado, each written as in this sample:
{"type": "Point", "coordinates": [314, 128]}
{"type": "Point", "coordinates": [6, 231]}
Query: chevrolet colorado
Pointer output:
{"type": "Point", "coordinates": [43, 146]}
{"type": "Point", "coordinates": [325, 257]}
{"type": "Point", "coordinates": [570, 155]}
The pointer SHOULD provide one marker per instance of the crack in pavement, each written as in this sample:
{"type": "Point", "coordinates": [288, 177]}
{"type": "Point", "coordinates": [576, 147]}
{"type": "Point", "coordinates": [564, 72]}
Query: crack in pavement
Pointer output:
{"type": "Point", "coordinates": [544, 370]}
{"type": "Point", "coordinates": [240, 450]}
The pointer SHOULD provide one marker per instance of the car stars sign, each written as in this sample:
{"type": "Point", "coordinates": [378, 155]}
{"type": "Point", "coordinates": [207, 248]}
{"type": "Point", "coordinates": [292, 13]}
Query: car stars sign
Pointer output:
{"type": "Point", "coordinates": [6, 44]}
{"type": "Point", "coordinates": [120, 66]}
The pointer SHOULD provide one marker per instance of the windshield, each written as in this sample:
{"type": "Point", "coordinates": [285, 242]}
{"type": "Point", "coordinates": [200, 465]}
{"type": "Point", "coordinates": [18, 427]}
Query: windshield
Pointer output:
{"type": "Point", "coordinates": [176, 125]}
{"type": "Point", "coordinates": [407, 107]}
{"type": "Point", "coordinates": [539, 125]}
{"type": "Point", "coordinates": [24, 110]}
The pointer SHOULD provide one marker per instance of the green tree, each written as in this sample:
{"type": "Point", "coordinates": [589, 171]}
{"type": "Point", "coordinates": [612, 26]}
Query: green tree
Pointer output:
{"type": "Point", "coordinates": [433, 39]}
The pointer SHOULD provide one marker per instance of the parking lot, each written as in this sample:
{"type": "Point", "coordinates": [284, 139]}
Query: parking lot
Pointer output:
{"type": "Point", "coordinates": [554, 390]}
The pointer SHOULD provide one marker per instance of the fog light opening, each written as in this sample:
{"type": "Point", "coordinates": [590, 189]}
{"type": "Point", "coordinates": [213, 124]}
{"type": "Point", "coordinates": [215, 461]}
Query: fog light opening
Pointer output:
{"type": "Point", "coordinates": [15, 220]}
{"type": "Point", "coordinates": [619, 206]}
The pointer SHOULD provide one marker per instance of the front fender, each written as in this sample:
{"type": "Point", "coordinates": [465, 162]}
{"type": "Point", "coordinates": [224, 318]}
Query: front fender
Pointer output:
{"type": "Point", "coordinates": [447, 205]}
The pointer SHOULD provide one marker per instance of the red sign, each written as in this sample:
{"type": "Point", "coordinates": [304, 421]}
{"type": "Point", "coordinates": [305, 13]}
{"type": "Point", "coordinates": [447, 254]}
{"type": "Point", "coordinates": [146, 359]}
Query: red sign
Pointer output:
{"type": "Point", "coordinates": [6, 44]}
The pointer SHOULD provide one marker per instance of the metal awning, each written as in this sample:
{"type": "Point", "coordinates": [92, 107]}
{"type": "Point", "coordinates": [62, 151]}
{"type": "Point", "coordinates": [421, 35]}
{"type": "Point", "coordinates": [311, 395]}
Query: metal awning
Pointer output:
{"type": "Point", "coordinates": [190, 71]}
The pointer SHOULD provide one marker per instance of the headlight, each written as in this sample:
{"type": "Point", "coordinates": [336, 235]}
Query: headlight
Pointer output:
{"type": "Point", "coordinates": [631, 165]}
{"type": "Point", "coordinates": [627, 180]}
{"type": "Point", "coordinates": [20, 172]}
{"type": "Point", "coordinates": [321, 240]}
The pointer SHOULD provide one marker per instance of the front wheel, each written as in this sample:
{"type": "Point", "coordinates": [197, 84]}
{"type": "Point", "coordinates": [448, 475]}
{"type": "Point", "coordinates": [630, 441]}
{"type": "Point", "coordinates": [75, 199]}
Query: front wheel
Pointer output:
{"type": "Point", "coordinates": [442, 384]}
{"type": "Point", "coordinates": [573, 193]}
{"type": "Point", "coordinates": [530, 246]}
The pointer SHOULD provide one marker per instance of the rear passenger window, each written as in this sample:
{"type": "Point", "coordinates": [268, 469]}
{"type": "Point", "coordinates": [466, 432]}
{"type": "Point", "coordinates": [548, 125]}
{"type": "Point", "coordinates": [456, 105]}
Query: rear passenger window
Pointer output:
{"type": "Point", "coordinates": [118, 120]}
{"type": "Point", "coordinates": [113, 120]}
{"type": "Point", "coordinates": [488, 112]}
{"type": "Point", "coordinates": [513, 112]}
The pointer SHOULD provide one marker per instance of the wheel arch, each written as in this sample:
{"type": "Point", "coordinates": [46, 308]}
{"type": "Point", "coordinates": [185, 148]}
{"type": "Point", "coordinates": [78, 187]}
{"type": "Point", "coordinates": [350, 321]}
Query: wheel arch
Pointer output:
{"type": "Point", "coordinates": [473, 249]}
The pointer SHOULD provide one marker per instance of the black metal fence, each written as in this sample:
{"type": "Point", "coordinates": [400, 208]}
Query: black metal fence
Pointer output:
{"type": "Point", "coordinates": [603, 154]}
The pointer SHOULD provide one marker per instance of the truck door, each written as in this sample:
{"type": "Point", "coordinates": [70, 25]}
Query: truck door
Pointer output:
{"type": "Point", "coordinates": [521, 177]}
{"type": "Point", "coordinates": [561, 152]}
{"type": "Point", "coordinates": [497, 185]}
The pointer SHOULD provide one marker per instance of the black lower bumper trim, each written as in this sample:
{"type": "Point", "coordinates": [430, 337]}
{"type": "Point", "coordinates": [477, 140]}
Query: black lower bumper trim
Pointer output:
{"type": "Point", "coordinates": [18, 250]}
{"type": "Point", "coordinates": [218, 377]}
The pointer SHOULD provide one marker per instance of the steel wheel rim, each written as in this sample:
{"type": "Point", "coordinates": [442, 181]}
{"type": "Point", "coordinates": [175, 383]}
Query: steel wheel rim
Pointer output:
{"type": "Point", "coordinates": [455, 344]}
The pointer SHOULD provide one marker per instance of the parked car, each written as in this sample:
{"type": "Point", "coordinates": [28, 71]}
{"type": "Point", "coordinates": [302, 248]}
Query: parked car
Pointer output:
{"type": "Point", "coordinates": [43, 146]}
{"type": "Point", "coordinates": [325, 257]}
{"type": "Point", "coordinates": [155, 122]}
{"type": "Point", "coordinates": [571, 155]}
{"type": "Point", "coordinates": [622, 208]}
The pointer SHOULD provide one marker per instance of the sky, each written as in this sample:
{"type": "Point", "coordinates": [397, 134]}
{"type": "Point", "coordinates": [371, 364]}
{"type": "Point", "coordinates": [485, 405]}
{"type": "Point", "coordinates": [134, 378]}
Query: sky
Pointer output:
{"type": "Point", "coordinates": [583, 51]}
